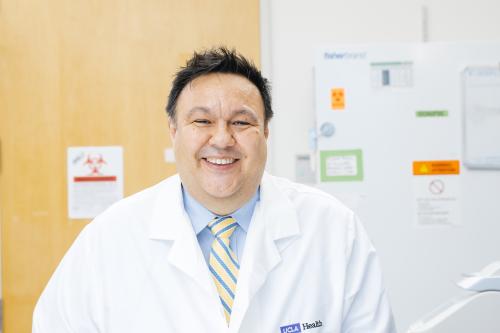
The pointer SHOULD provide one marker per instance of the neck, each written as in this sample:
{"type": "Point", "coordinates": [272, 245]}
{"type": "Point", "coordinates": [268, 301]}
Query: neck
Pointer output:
{"type": "Point", "coordinates": [224, 206]}
{"type": "Point", "coordinates": [221, 206]}
{"type": "Point", "coordinates": [220, 209]}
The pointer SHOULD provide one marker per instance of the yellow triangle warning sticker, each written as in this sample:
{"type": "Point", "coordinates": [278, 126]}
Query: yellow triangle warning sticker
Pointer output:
{"type": "Point", "coordinates": [424, 168]}
{"type": "Point", "coordinates": [450, 167]}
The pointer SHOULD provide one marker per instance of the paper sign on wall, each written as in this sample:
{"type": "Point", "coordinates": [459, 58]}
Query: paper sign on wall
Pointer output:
{"type": "Point", "coordinates": [95, 180]}
{"type": "Point", "coordinates": [341, 165]}
{"type": "Point", "coordinates": [437, 192]}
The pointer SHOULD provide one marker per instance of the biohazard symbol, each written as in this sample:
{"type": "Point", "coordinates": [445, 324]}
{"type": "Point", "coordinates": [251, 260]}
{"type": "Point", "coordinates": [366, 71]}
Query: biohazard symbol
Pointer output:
{"type": "Point", "coordinates": [95, 163]}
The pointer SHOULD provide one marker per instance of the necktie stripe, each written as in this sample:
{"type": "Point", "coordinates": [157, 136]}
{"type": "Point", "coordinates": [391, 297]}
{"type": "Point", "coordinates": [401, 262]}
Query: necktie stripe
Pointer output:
{"type": "Point", "coordinates": [223, 264]}
{"type": "Point", "coordinates": [225, 305]}
{"type": "Point", "coordinates": [224, 276]}
{"type": "Point", "coordinates": [222, 283]}
{"type": "Point", "coordinates": [222, 254]}
{"type": "Point", "coordinates": [226, 229]}
{"type": "Point", "coordinates": [226, 225]}
{"type": "Point", "coordinates": [216, 221]}
{"type": "Point", "coordinates": [226, 314]}
{"type": "Point", "coordinates": [226, 265]}
{"type": "Point", "coordinates": [223, 295]}
{"type": "Point", "coordinates": [226, 249]}
{"type": "Point", "coordinates": [230, 272]}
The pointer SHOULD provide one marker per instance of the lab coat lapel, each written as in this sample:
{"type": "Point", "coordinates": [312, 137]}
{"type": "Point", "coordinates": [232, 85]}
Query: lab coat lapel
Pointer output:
{"type": "Point", "coordinates": [274, 226]}
{"type": "Point", "coordinates": [170, 222]}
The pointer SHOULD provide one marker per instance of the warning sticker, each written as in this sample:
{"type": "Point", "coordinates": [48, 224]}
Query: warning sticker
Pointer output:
{"type": "Point", "coordinates": [95, 180]}
{"type": "Point", "coordinates": [436, 190]}
{"type": "Point", "coordinates": [337, 98]}
{"type": "Point", "coordinates": [426, 168]}
{"type": "Point", "coordinates": [437, 200]}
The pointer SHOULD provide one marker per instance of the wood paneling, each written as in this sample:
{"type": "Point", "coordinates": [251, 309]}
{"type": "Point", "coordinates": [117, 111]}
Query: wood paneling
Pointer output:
{"type": "Point", "coordinates": [88, 73]}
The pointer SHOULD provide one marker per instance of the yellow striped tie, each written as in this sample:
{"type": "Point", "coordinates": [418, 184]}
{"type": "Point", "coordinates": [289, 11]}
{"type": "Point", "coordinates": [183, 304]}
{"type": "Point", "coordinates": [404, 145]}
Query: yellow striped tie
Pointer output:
{"type": "Point", "coordinates": [223, 263]}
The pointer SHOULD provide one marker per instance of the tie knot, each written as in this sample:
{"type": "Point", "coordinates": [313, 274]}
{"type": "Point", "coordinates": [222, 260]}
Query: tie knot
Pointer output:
{"type": "Point", "coordinates": [222, 227]}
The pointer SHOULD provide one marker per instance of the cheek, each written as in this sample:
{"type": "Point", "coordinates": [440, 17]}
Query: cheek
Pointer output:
{"type": "Point", "coordinates": [253, 142]}
{"type": "Point", "coordinates": [189, 141]}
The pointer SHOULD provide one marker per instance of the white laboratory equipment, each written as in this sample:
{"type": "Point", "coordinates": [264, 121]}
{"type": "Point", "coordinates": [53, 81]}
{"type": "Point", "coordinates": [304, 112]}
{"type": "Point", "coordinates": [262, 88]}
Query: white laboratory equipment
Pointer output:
{"type": "Point", "coordinates": [476, 310]}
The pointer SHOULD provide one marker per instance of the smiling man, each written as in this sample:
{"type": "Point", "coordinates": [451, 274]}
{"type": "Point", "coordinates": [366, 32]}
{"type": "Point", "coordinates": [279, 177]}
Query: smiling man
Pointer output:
{"type": "Point", "coordinates": [222, 246]}
{"type": "Point", "coordinates": [219, 130]}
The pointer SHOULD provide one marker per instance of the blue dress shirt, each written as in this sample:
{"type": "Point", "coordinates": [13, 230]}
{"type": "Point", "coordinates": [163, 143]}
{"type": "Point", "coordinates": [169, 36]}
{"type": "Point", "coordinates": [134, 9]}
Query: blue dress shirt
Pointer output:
{"type": "Point", "coordinates": [200, 217]}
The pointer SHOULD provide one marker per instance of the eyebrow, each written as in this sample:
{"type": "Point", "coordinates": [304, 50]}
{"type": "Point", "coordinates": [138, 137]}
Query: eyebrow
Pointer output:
{"type": "Point", "coordinates": [243, 112]}
{"type": "Point", "coordinates": [197, 109]}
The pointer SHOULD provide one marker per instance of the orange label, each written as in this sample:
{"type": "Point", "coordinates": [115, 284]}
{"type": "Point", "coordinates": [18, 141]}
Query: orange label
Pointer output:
{"type": "Point", "coordinates": [436, 168]}
{"type": "Point", "coordinates": [338, 98]}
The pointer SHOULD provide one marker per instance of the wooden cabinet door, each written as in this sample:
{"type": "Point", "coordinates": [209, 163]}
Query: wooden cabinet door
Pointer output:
{"type": "Point", "coordinates": [88, 73]}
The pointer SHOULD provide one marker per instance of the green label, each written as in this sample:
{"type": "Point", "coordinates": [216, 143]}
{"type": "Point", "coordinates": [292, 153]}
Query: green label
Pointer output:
{"type": "Point", "coordinates": [341, 165]}
{"type": "Point", "coordinates": [433, 113]}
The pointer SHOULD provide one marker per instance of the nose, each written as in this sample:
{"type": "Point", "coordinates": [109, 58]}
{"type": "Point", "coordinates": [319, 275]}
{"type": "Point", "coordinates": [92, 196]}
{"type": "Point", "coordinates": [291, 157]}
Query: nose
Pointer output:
{"type": "Point", "coordinates": [222, 137]}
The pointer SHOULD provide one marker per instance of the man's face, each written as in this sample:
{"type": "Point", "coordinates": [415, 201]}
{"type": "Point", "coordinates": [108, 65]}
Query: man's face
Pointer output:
{"type": "Point", "coordinates": [219, 138]}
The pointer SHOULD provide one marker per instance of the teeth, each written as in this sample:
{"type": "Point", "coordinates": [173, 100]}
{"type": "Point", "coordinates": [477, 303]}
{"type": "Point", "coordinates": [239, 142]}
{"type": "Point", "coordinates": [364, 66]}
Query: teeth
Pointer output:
{"type": "Point", "coordinates": [220, 161]}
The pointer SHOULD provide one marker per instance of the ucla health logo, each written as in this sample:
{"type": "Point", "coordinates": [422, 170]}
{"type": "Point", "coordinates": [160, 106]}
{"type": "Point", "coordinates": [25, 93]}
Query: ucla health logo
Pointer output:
{"type": "Point", "coordinates": [290, 328]}
{"type": "Point", "coordinates": [298, 327]}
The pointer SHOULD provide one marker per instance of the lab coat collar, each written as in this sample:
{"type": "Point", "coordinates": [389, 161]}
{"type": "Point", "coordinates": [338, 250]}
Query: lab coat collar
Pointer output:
{"type": "Point", "coordinates": [169, 217]}
{"type": "Point", "coordinates": [170, 222]}
{"type": "Point", "coordinates": [200, 216]}
{"type": "Point", "coordinates": [274, 226]}
{"type": "Point", "coordinates": [280, 214]}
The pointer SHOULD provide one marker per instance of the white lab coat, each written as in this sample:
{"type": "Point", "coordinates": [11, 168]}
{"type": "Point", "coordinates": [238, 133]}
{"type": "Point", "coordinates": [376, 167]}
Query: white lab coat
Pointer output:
{"type": "Point", "coordinates": [138, 268]}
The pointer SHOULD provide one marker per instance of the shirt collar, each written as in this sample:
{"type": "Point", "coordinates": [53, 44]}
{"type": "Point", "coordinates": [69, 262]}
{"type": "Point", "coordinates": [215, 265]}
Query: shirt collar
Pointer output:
{"type": "Point", "coordinates": [201, 216]}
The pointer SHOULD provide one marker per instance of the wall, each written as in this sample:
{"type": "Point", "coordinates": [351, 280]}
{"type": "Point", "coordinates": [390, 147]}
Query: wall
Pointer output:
{"type": "Point", "coordinates": [88, 73]}
{"type": "Point", "coordinates": [290, 32]}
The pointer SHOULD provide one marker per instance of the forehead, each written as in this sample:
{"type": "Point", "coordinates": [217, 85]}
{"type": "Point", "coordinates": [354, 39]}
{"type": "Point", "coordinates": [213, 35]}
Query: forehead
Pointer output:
{"type": "Point", "coordinates": [220, 90]}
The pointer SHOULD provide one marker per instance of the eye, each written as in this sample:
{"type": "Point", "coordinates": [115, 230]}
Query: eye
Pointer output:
{"type": "Point", "coordinates": [201, 121]}
{"type": "Point", "coordinates": [241, 123]}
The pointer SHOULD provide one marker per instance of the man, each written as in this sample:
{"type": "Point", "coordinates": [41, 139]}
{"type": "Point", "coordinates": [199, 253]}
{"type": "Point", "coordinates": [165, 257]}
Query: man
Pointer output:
{"type": "Point", "coordinates": [221, 247]}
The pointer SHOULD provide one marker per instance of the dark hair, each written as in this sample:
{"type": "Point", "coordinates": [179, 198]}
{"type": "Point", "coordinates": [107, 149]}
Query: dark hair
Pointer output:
{"type": "Point", "coordinates": [219, 60]}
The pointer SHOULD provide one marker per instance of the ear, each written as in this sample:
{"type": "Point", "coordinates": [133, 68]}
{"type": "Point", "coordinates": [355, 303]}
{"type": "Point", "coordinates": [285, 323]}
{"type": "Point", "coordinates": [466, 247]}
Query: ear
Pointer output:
{"type": "Point", "coordinates": [172, 128]}
{"type": "Point", "coordinates": [266, 131]}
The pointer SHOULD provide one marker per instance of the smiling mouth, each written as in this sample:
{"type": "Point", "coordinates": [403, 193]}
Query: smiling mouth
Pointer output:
{"type": "Point", "coordinates": [220, 161]}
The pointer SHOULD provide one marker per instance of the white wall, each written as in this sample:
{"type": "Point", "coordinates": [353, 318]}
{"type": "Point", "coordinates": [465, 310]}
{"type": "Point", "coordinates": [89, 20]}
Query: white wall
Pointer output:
{"type": "Point", "coordinates": [290, 32]}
